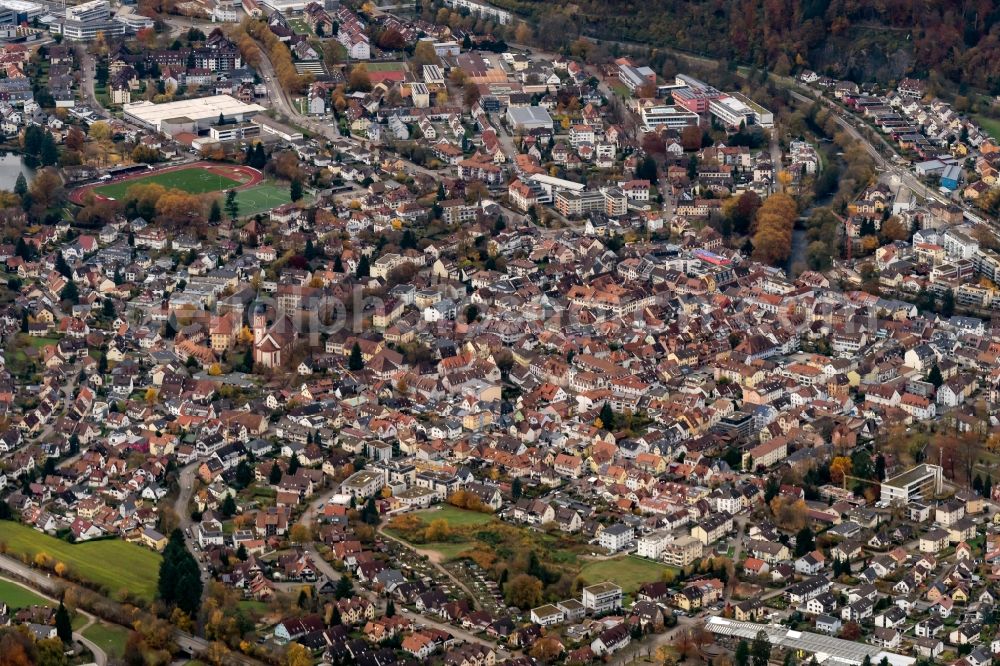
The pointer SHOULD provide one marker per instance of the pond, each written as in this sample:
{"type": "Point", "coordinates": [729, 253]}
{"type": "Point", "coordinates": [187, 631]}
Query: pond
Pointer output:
{"type": "Point", "coordinates": [12, 164]}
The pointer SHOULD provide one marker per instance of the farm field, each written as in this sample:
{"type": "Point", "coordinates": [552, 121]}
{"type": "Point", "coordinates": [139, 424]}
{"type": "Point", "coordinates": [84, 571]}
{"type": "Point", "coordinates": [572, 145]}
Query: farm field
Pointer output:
{"type": "Point", "coordinates": [628, 571]}
{"type": "Point", "coordinates": [193, 180]}
{"type": "Point", "coordinates": [136, 568]}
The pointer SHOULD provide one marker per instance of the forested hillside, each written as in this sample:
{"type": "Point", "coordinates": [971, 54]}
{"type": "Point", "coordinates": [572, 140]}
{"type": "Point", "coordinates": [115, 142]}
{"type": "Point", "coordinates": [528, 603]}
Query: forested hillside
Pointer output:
{"type": "Point", "coordinates": [863, 40]}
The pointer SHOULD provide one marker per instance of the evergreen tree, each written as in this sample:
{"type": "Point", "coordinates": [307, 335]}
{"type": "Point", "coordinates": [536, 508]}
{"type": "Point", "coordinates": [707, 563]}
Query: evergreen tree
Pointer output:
{"type": "Point", "coordinates": [356, 362]}
{"type": "Point", "coordinates": [742, 656]}
{"type": "Point", "coordinates": [259, 157]}
{"type": "Point", "coordinates": [179, 581]}
{"type": "Point", "coordinates": [70, 293]}
{"type": "Point", "coordinates": [242, 553]}
{"type": "Point", "coordinates": [64, 626]}
{"type": "Point", "coordinates": [804, 542]}
{"type": "Point", "coordinates": [879, 467]}
{"type": "Point", "coordinates": [607, 417]}
{"type": "Point", "coordinates": [244, 475]}
{"type": "Point", "coordinates": [228, 507]}
{"type": "Point", "coordinates": [760, 651]}
{"type": "Point", "coordinates": [295, 189]}
{"type": "Point", "coordinates": [215, 213]}
{"type": "Point", "coordinates": [409, 240]}
{"type": "Point", "coordinates": [335, 619]}
{"type": "Point", "coordinates": [370, 515]}
{"type": "Point", "coordinates": [948, 304]}
{"type": "Point", "coordinates": [344, 589]}
{"type": "Point", "coordinates": [935, 377]}
{"type": "Point", "coordinates": [274, 476]}
{"type": "Point", "coordinates": [364, 269]}
{"type": "Point", "coordinates": [21, 185]}
{"type": "Point", "coordinates": [21, 249]}
{"type": "Point", "coordinates": [338, 264]}
{"type": "Point", "coordinates": [232, 205]}
{"type": "Point", "coordinates": [310, 250]}
{"type": "Point", "coordinates": [62, 267]}
{"type": "Point", "coordinates": [988, 486]}
{"type": "Point", "coordinates": [390, 608]}
{"type": "Point", "coordinates": [293, 465]}
{"type": "Point", "coordinates": [25, 324]}
{"type": "Point", "coordinates": [49, 152]}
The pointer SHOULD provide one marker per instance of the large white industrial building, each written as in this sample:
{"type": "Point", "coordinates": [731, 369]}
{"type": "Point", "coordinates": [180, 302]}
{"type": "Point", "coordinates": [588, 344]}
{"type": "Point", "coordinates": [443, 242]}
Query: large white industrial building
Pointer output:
{"type": "Point", "coordinates": [189, 115]}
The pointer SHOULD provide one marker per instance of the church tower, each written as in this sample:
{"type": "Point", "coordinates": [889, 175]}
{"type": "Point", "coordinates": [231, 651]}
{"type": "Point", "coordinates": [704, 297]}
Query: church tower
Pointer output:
{"type": "Point", "coordinates": [259, 324]}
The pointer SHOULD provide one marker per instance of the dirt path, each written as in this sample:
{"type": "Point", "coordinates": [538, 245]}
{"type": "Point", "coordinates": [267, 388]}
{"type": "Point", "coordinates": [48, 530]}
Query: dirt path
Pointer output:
{"type": "Point", "coordinates": [436, 559]}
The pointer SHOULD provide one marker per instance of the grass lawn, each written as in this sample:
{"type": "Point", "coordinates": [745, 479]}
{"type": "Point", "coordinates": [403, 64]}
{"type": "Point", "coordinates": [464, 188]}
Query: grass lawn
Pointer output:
{"type": "Point", "coordinates": [16, 596]}
{"type": "Point", "coordinates": [262, 198]}
{"type": "Point", "coordinates": [620, 89]}
{"type": "Point", "coordinates": [300, 26]}
{"type": "Point", "coordinates": [111, 563]}
{"type": "Point", "coordinates": [194, 180]}
{"type": "Point", "coordinates": [629, 571]}
{"type": "Point", "coordinates": [108, 637]}
{"type": "Point", "coordinates": [448, 550]}
{"type": "Point", "coordinates": [456, 517]}
{"type": "Point", "coordinates": [990, 125]}
{"type": "Point", "coordinates": [38, 343]}
{"type": "Point", "coordinates": [254, 607]}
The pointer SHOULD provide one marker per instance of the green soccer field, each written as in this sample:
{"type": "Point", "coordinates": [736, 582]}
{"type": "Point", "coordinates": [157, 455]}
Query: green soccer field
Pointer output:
{"type": "Point", "coordinates": [384, 66]}
{"type": "Point", "coordinates": [262, 198]}
{"type": "Point", "coordinates": [194, 180]}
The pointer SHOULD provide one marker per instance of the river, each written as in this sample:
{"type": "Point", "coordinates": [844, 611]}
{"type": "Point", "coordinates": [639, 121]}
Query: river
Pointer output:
{"type": "Point", "coordinates": [11, 165]}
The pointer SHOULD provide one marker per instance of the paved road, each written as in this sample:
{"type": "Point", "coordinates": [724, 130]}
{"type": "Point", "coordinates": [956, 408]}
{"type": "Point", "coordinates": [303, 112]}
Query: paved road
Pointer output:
{"type": "Point", "coordinates": [100, 656]}
{"type": "Point", "coordinates": [741, 523]}
{"type": "Point", "coordinates": [185, 481]}
{"type": "Point", "coordinates": [87, 69]}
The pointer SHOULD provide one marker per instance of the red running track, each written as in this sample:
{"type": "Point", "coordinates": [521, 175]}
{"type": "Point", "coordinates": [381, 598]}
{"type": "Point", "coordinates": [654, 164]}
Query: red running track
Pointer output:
{"type": "Point", "coordinates": [252, 176]}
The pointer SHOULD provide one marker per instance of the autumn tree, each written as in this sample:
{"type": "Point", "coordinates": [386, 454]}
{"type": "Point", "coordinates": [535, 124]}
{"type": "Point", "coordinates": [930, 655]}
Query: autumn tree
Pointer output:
{"type": "Point", "coordinates": [772, 227]}
{"type": "Point", "coordinates": [297, 655]}
{"type": "Point", "coordinates": [424, 54]}
{"type": "Point", "coordinates": [523, 591]}
{"type": "Point", "coordinates": [300, 533]}
{"type": "Point", "coordinates": [691, 138]}
{"type": "Point", "coordinates": [895, 229]}
{"type": "Point", "coordinates": [437, 530]}
{"type": "Point", "coordinates": [740, 211]}
{"type": "Point", "coordinates": [839, 468]}
{"type": "Point", "coordinates": [684, 644]}
{"type": "Point", "coordinates": [789, 514]}
{"type": "Point", "coordinates": [547, 650]}
{"type": "Point", "coordinates": [359, 79]}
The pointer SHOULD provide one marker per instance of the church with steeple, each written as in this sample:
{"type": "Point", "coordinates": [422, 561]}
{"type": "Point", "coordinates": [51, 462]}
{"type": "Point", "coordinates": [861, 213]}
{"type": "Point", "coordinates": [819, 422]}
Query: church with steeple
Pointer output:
{"type": "Point", "coordinates": [272, 343]}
